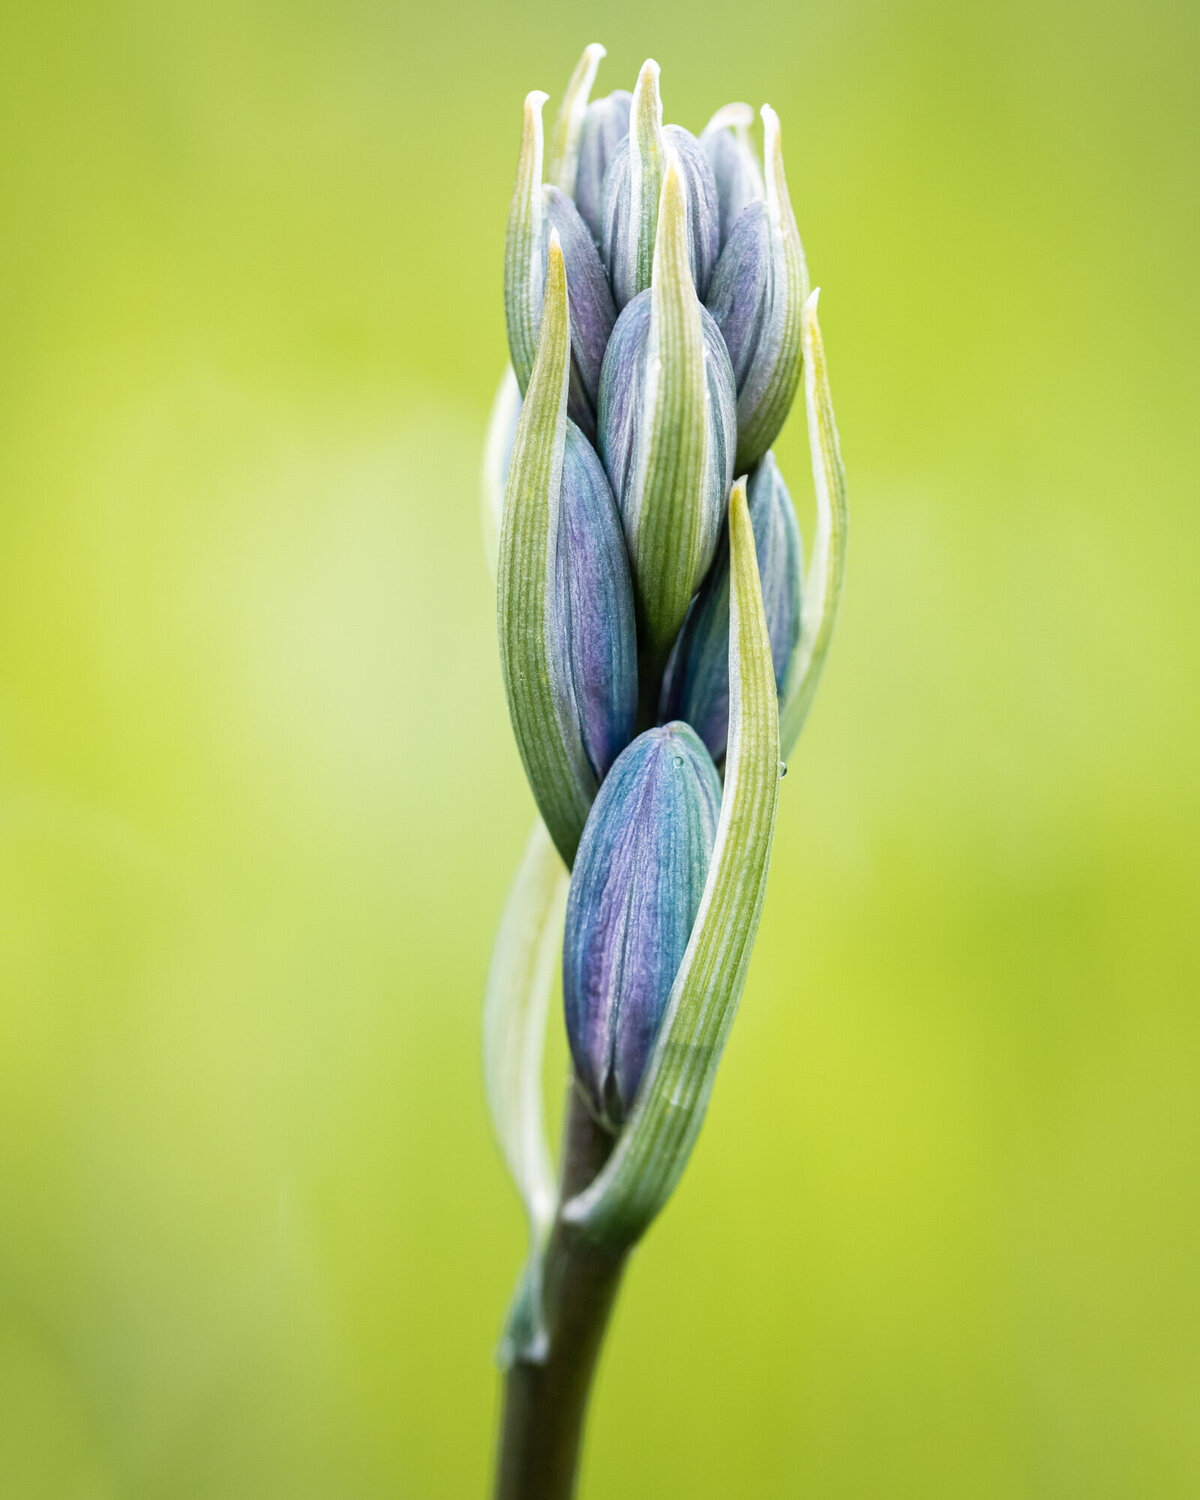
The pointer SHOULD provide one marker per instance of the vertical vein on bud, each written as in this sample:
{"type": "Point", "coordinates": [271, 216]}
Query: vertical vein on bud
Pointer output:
{"type": "Point", "coordinates": [523, 256]}
{"type": "Point", "coordinates": [826, 574]}
{"type": "Point", "coordinates": [647, 166]}
{"type": "Point", "coordinates": [670, 532]}
{"type": "Point", "coordinates": [539, 705]}
{"type": "Point", "coordinates": [654, 1146]}
{"type": "Point", "coordinates": [568, 123]}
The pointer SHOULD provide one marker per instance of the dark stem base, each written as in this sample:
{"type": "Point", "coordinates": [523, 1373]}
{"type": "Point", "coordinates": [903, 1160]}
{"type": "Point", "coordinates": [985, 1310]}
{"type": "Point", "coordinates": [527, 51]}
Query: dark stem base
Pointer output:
{"type": "Point", "coordinates": [545, 1403]}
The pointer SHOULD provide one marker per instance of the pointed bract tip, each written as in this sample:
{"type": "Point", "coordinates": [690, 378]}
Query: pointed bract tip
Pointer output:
{"type": "Point", "coordinates": [670, 236]}
{"type": "Point", "coordinates": [810, 306]}
{"type": "Point", "coordinates": [647, 99]}
{"type": "Point", "coordinates": [672, 179]}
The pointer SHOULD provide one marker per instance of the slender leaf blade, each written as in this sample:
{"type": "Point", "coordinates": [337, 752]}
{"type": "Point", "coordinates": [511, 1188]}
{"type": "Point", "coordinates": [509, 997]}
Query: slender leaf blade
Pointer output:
{"type": "Point", "coordinates": [827, 570]}
{"type": "Point", "coordinates": [539, 703]}
{"type": "Point", "coordinates": [563, 155]}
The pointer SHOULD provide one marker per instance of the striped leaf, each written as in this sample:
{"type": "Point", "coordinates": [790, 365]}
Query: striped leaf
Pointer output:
{"type": "Point", "coordinates": [537, 687]}
{"type": "Point", "coordinates": [523, 246]}
{"type": "Point", "coordinates": [563, 155]}
{"type": "Point", "coordinates": [827, 570]}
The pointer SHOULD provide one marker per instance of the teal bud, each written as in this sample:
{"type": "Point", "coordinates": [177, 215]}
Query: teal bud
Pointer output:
{"type": "Point", "coordinates": [605, 126]}
{"type": "Point", "coordinates": [667, 429]}
{"type": "Point", "coordinates": [726, 142]}
{"type": "Point", "coordinates": [536, 212]}
{"type": "Point", "coordinates": [696, 684]}
{"type": "Point", "coordinates": [757, 295]}
{"type": "Point", "coordinates": [593, 314]}
{"type": "Point", "coordinates": [633, 188]}
{"type": "Point", "coordinates": [593, 622]}
{"type": "Point", "coordinates": [635, 891]}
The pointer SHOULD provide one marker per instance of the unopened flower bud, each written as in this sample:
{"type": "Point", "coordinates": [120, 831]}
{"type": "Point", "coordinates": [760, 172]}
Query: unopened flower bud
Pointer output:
{"type": "Point", "coordinates": [726, 142]}
{"type": "Point", "coordinates": [633, 188]}
{"type": "Point", "coordinates": [594, 606]}
{"type": "Point", "coordinates": [538, 210]}
{"type": "Point", "coordinates": [696, 685]}
{"type": "Point", "coordinates": [667, 428]}
{"type": "Point", "coordinates": [757, 293]}
{"type": "Point", "coordinates": [605, 126]}
{"type": "Point", "coordinates": [635, 891]}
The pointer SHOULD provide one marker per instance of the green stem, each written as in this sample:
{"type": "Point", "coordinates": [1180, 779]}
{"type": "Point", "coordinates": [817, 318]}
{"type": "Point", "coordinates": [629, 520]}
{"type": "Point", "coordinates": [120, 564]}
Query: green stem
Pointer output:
{"type": "Point", "coordinates": [545, 1402]}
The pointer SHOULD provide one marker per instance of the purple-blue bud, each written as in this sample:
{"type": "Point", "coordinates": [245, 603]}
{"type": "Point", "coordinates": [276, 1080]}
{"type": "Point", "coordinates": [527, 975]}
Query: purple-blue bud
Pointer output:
{"type": "Point", "coordinates": [605, 125]}
{"type": "Point", "coordinates": [628, 237]}
{"type": "Point", "coordinates": [739, 297]}
{"type": "Point", "coordinates": [696, 684]}
{"type": "Point", "coordinates": [594, 618]}
{"type": "Point", "coordinates": [757, 295]}
{"type": "Point", "coordinates": [537, 212]}
{"type": "Point", "coordinates": [592, 311]}
{"type": "Point", "coordinates": [635, 891]}
{"type": "Point", "coordinates": [624, 420]}
{"type": "Point", "coordinates": [735, 168]}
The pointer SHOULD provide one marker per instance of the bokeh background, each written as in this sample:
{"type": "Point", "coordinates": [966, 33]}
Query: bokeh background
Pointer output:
{"type": "Point", "coordinates": [260, 804]}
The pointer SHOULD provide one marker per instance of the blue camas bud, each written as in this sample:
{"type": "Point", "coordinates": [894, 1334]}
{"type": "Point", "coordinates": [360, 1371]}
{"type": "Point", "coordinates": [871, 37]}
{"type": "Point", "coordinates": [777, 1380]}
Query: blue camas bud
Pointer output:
{"type": "Point", "coordinates": [667, 429]}
{"type": "Point", "coordinates": [635, 890]}
{"type": "Point", "coordinates": [633, 187]}
{"type": "Point", "coordinates": [605, 126]}
{"type": "Point", "coordinates": [537, 210]}
{"type": "Point", "coordinates": [726, 142]}
{"type": "Point", "coordinates": [593, 314]}
{"type": "Point", "coordinates": [594, 607]}
{"type": "Point", "coordinates": [757, 293]}
{"type": "Point", "coordinates": [696, 685]}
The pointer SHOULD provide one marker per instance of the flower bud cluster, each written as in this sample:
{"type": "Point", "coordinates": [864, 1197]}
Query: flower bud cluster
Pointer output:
{"type": "Point", "coordinates": [654, 293]}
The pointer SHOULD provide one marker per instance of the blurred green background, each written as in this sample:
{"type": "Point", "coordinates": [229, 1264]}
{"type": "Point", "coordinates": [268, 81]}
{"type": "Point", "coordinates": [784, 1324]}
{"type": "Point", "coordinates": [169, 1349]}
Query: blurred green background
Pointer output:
{"type": "Point", "coordinates": [260, 804]}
